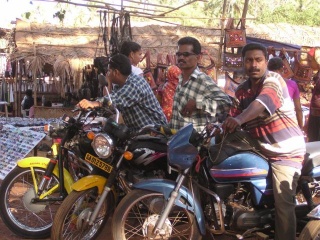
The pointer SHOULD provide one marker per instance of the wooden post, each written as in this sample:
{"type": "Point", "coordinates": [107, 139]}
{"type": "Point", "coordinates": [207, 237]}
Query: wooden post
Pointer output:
{"type": "Point", "coordinates": [222, 20]}
{"type": "Point", "coordinates": [245, 9]}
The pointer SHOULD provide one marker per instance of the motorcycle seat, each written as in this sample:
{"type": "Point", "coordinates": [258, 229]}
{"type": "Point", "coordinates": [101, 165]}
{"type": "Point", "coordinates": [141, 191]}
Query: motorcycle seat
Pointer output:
{"type": "Point", "coordinates": [238, 141]}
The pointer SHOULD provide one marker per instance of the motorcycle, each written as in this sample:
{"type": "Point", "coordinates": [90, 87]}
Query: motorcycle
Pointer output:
{"type": "Point", "coordinates": [126, 159]}
{"type": "Point", "coordinates": [32, 192]}
{"type": "Point", "coordinates": [230, 191]}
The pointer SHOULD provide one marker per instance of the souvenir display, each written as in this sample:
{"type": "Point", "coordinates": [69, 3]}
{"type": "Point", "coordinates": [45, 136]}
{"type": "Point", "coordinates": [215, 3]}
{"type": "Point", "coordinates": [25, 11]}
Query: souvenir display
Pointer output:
{"type": "Point", "coordinates": [16, 143]}
{"type": "Point", "coordinates": [27, 122]}
{"type": "Point", "coordinates": [235, 36]}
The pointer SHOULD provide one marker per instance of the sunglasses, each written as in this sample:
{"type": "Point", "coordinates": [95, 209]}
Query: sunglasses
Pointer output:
{"type": "Point", "coordinates": [185, 54]}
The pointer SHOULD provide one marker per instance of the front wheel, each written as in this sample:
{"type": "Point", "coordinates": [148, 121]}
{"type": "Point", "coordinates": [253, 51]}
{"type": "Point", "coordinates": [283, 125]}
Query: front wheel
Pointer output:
{"type": "Point", "coordinates": [138, 212]}
{"type": "Point", "coordinates": [23, 217]}
{"type": "Point", "coordinates": [311, 231]}
{"type": "Point", "coordinates": [71, 220]}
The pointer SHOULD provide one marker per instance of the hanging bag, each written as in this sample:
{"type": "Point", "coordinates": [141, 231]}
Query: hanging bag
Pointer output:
{"type": "Point", "coordinates": [147, 73]}
{"type": "Point", "coordinates": [160, 71]}
{"type": "Point", "coordinates": [126, 34]}
{"type": "Point", "coordinates": [287, 70]}
{"type": "Point", "coordinates": [301, 72]}
{"type": "Point", "coordinates": [235, 36]}
{"type": "Point", "coordinates": [232, 61]}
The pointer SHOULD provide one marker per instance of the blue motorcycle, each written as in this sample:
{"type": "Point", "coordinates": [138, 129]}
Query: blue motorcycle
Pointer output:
{"type": "Point", "coordinates": [229, 192]}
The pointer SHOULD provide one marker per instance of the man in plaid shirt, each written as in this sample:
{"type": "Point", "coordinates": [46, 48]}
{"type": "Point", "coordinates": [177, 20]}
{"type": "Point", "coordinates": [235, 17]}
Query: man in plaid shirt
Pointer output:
{"type": "Point", "coordinates": [132, 96]}
{"type": "Point", "coordinates": [197, 97]}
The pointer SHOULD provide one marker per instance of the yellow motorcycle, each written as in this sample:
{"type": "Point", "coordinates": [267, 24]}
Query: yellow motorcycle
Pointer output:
{"type": "Point", "coordinates": [32, 192]}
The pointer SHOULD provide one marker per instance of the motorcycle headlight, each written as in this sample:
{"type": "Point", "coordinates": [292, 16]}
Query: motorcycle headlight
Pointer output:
{"type": "Point", "coordinates": [103, 146]}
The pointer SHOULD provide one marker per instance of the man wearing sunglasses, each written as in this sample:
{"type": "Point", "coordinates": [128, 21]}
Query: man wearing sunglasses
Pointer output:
{"type": "Point", "coordinates": [197, 97]}
{"type": "Point", "coordinates": [131, 94]}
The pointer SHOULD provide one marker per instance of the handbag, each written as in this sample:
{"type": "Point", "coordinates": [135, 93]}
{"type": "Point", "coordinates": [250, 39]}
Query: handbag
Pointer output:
{"type": "Point", "coordinates": [147, 73]}
{"type": "Point", "coordinates": [235, 36]}
{"type": "Point", "coordinates": [301, 72]}
{"type": "Point", "coordinates": [287, 70]}
{"type": "Point", "coordinates": [232, 61]}
{"type": "Point", "coordinates": [160, 71]}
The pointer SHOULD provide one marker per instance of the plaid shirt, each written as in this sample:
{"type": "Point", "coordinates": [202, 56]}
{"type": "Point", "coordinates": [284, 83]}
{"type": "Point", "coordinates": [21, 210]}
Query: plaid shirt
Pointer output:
{"type": "Point", "coordinates": [137, 103]}
{"type": "Point", "coordinates": [211, 101]}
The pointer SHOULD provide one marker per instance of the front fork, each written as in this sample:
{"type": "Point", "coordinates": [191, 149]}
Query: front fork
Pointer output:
{"type": "Point", "coordinates": [173, 196]}
{"type": "Point", "coordinates": [111, 180]}
{"type": "Point", "coordinates": [46, 179]}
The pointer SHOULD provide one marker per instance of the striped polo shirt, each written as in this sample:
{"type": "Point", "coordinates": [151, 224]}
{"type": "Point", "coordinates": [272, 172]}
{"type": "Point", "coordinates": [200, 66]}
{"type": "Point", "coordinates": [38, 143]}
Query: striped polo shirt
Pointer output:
{"type": "Point", "coordinates": [277, 131]}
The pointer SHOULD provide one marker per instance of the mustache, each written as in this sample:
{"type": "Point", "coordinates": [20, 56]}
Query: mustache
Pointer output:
{"type": "Point", "coordinates": [252, 70]}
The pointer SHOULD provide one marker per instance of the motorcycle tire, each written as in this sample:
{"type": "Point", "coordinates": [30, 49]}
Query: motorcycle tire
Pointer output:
{"type": "Point", "coordinates": [136, 214]}
{"type": "Point", "coordinates": [70, 221]}
{"type": "Point", "coordinates": [311, 231]}
{"type": "Point", "coordinates": [19, 214]}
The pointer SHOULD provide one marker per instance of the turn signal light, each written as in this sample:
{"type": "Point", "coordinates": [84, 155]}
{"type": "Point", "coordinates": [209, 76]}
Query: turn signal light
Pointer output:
{"type": "Point", "coordinates": [128, 155]}
{"type": "Point", "coordinates": [46, 128]}
{"type": "Point", "coordinates": [90, 135]}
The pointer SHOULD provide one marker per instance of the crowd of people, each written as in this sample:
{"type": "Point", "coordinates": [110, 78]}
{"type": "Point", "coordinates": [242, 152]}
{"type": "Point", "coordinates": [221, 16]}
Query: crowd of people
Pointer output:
{"type": "Point", "coordinates": [265, 104]}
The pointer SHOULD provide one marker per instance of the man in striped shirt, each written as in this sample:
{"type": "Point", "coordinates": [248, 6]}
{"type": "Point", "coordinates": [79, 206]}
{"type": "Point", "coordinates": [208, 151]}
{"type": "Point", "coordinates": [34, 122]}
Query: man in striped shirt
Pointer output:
{"type": "Point", "coordinates": [197, 97]}
{"type": "Point", "coordinates": [264, 108]}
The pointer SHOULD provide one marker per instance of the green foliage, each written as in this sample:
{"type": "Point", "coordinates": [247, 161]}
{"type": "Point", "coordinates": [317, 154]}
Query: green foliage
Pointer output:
{"type": "Point", "coordinates": [27, 15]}
{"type": "Point", "coordinates": [292, 15]}
{"type": "Point", "coordinates": [206, 14]}
{"type": "Point", "coordinates": [297, 12]}
{"type": "Point", "coordinates": [60, 14]}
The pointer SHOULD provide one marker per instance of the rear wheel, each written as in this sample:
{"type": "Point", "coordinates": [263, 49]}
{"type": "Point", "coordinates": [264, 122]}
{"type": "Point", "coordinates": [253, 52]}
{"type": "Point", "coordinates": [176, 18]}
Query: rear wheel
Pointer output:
{"type": "Point", "coordinates": [138, 211]}
{"type": "Point", "coordinates": [311, 231]}
{"type": "Point", "coordinates": [71, 220]}
{"type": "Point", "coordinates": [23, 217]}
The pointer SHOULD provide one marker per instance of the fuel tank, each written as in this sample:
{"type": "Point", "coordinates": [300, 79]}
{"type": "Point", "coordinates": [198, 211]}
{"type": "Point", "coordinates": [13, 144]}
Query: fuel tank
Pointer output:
{"type": "Point", "coordinates": [240, 167]}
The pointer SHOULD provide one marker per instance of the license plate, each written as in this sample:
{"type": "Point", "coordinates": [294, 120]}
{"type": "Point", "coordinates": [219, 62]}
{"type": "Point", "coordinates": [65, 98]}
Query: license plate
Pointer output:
{"type": "Point", "coordinates": [98, 163]}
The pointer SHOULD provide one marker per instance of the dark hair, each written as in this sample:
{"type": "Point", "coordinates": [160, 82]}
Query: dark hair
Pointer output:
{"type": "Point", "coordinates": [121, 63]}
{"type": "Point", "coordinates": [254, 46]}
{"type": "Point", "coordinates": [29, 92]}
{"type": "Point", "coordinates": [191, 41]}
{"type": "Point", "coordinates": [127, 47]}
{"type": "Point", "coordinates": [275, 64]}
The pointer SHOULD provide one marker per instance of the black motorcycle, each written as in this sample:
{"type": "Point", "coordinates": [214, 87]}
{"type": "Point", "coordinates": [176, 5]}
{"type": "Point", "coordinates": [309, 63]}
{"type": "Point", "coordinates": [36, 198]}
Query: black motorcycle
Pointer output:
{"type": "Point", "coordinates": [123, 159]}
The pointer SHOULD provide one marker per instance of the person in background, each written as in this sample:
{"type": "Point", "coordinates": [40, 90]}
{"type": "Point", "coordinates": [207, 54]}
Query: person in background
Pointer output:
{"type": "Point", "coordinates": [27, 103]}
{"type": "Point", "coordinates": [133, 51]}
{"type": "Point", "coordinates": [275, 64]}
{"type": "Point", "coordinates": [169, 89]}
{"type": "Point", "coordinates": [132, 96]}
{"type": "Point", "coordinates": [197, 99]}
{"type": "Point", "coordinates": [313, 132]}
{"type": "Point", "coordinates": [265, 110]}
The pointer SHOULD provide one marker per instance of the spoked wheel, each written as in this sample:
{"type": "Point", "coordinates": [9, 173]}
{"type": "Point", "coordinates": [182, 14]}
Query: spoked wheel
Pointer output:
{"type": "Point", "coordinates": [18, 212]}
{"type": "Point", "coordinates": [71, 221]}
{"type": "Point", "coordinates": [138, 212]}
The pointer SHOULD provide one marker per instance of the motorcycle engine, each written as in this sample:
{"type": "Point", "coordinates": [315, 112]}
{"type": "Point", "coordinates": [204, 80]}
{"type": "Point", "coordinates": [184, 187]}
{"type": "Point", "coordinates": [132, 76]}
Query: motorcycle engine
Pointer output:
{"type": "Point", "coordinates": [244, 218]}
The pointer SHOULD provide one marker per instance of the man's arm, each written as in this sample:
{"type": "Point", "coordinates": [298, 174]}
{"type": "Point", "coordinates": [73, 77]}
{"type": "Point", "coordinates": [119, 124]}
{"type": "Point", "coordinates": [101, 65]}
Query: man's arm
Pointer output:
{"type": "Point", "coordinates": [213, 100]}
{"type": "Point", "coordinates": [254, 110]}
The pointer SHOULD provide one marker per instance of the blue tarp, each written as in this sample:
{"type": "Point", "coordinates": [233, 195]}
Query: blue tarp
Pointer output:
{"type": "Point", "coordinates": [270, 43]}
